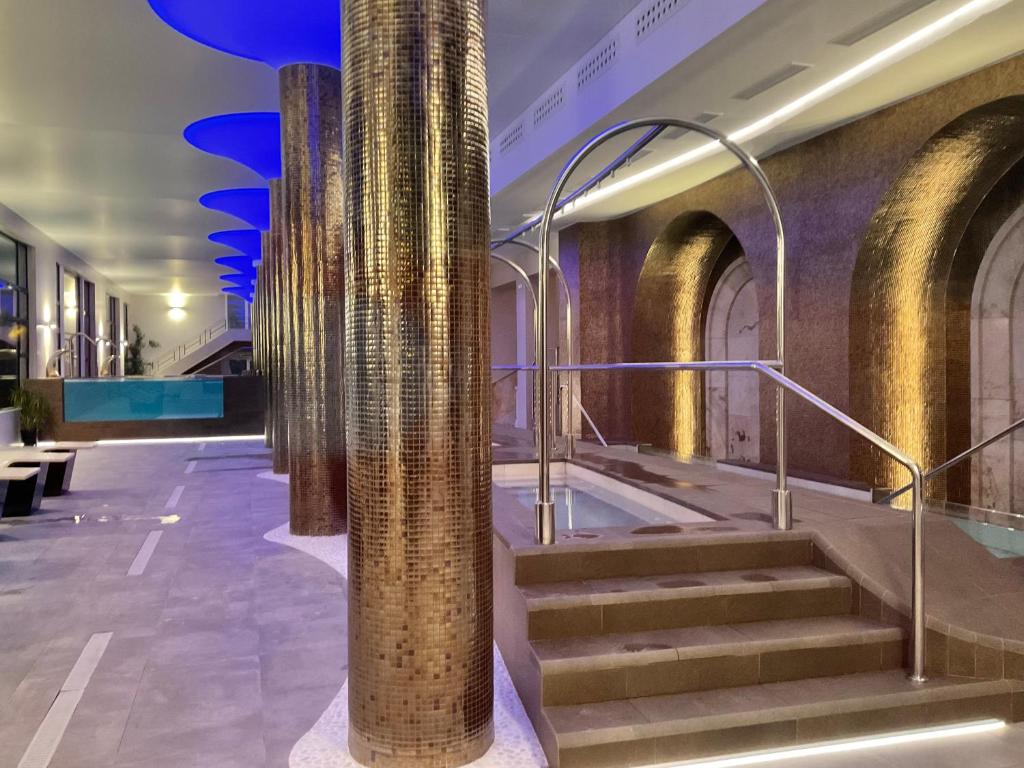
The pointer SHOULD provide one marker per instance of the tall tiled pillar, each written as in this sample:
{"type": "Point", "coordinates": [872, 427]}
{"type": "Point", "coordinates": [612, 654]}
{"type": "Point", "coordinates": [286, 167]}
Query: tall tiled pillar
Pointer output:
{"type": "Point", "coordinates": [311, 153]}
{"type": "Point", "coordinates": [261, 345]}
{"type": "Point", "coordinates": [418, 382]}
{"type": "Point", "coordinates": [281, 342]}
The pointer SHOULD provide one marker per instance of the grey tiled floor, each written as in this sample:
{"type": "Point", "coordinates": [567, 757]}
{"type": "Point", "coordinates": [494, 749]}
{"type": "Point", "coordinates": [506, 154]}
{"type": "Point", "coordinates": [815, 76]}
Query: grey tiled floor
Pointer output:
{"type": "Point", "coordinates": [224, 652]}
{"type": "Point", "coordinates": [228, 648]}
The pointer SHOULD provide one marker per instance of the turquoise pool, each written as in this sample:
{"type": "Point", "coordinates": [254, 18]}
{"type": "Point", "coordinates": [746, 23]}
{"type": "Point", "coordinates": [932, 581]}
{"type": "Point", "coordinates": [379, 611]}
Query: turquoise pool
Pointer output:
{"type": "Point", "coordinates": [140, 399]}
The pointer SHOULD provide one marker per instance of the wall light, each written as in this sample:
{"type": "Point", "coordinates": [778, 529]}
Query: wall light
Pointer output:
{"type": "Point", "coordinates": [844, 745]}
{"type": "Point", "coordinates": [944, 25]}
{"type": "Point", "coordinates": [177, 314]}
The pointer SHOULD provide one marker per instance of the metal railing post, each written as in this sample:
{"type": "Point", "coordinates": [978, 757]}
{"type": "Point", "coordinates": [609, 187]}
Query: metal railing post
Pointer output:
{"type": "Point", "coordinates": [781, 499]}
{"type": "Point", "coordinates": [917, 578]}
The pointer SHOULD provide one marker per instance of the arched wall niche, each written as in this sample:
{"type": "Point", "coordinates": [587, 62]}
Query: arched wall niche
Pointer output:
{"type": "Point", "coordinates": [996, 475]}
{"type": "Point", "coordinates": [732, 332]}
{"type": "Point", "coordinates": [905, 342]}
{"type": "Point", "coordinates": [672, 297]}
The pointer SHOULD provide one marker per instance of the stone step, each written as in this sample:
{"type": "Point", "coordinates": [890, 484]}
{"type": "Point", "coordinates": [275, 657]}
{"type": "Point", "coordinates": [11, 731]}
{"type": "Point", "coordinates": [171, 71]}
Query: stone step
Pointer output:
{"type": "Point", "coordinates": [640, 604]}
{"type": "Point", "coordinates": [661, 555]}
{"type": "Point", "coordinates": [659, 729]}
{"type": "Point", "coordinates": [623, 666]}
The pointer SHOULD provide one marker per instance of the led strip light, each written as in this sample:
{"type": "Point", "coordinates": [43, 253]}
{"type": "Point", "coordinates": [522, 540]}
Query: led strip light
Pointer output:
{"type": "Point", "coordinates": [845, 745]}
{"type": "Point", "coordinates": [169, 440]}
{"type": "Point", "coordinates": [913, 42]}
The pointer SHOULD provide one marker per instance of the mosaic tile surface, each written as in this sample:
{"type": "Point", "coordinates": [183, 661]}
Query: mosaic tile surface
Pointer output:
{"type": "Point", "coordinates": [418, 390]}
{"type": "Point", "coordinates": [326, 744]}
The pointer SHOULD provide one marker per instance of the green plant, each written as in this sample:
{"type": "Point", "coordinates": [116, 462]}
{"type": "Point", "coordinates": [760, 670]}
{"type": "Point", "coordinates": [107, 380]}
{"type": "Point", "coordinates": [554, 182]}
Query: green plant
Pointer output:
{"type": "Point", "coordinates": [134, 363]}
{"type": "Point", "coordinates": [35, 409]}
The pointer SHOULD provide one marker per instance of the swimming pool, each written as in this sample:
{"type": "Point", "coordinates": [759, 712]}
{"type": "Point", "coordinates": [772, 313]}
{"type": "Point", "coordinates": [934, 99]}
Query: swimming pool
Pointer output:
{"type": "Point", "coordinates": [143, 399]}
{"type": "Point", "coordinates": [587, 499]}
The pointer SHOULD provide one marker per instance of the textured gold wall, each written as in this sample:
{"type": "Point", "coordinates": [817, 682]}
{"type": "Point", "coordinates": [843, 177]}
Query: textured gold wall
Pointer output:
{"type": "Point", "coordinates": [668, 325]}
{"type": "Point", "coordinates": [898, 318]}
{"type": "Point", "coordinates": [311, 154]}
{"type": "Point", "coordinates": [418, 381]}
{"type": "Point", "coordinates": [281, 339]}
{"type": "Point", "coordinates": [829, 189]}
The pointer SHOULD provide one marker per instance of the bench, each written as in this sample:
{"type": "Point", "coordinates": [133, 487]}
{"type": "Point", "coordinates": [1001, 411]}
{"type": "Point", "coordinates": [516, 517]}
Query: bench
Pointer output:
{"type": "Point", "coordinates": [58, 478]}
{"type": "Point", "coordinates": [51, 466]}
{"type": "Point", "coordinates": [18, 490]}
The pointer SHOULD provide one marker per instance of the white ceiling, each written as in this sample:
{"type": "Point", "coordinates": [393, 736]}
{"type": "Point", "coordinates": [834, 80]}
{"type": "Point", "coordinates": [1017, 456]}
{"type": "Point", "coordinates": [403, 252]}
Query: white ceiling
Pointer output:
{"type": "Point", "coordinates": [94, 95]}
{"type": "Point", "coordinates": [778, 33]}
{"type": "Point", "coordinates": [531, 42]}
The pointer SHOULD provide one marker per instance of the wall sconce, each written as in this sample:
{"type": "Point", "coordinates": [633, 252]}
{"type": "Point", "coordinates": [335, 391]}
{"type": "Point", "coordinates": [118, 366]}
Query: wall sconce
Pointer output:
{"type": "Point", "coordinates": [177, 314]}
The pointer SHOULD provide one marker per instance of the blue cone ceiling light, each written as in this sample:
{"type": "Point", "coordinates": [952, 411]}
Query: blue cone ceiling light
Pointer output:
{"type": "Point", "coordinates": [245, 293]}
{"type": "Point", "coordinates": [240, 263]}
{"type": "Point", "coordinates": [252, 139]}
{"type": "Point", "coordinates": [247, 242]}
{"type": "Point", "coordinates": [276, 32]}
{"type": "Point", "coordinates": [251, 205]}
{"type": "Point", "coordinates": [243, 279]}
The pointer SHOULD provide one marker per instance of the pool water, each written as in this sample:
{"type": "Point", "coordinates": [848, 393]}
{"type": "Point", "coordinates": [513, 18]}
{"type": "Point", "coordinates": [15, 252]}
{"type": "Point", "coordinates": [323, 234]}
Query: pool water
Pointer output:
{"type": "Point", "coordinates": [1001, 542]}
{"type": "Point", "coordinates": [586, 505]}
{"type": "Point", "coordinates": [143, 399]}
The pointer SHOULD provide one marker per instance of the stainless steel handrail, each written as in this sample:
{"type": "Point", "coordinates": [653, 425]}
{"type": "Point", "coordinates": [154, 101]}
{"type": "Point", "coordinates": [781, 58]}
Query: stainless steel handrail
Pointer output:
{"type": "Point", "coordinates": [590, 421]}
{"type": "Point", "coordinates": [183, 350]}
{"type": "Point", "coordinates": [956, 459]}
{"type": "Point", "coordinates": [545, 508]}
{"type": "Point", "coordinates": [566, 292]}
{"type": "Point", "coordinates": [609, 170]}
{"type": "Point", "coordinates": [772, 370]}
{"type": "Point", "coordinates": [503, 378]}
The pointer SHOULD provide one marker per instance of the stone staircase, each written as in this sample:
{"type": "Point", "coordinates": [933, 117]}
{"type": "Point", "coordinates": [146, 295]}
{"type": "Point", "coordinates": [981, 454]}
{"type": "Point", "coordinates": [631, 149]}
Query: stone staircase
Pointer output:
{"type": "Point", "coordinates": [642, 652]}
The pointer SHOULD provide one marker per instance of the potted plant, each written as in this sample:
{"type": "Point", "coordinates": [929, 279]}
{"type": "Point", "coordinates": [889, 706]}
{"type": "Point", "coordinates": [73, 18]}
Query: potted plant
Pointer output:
{"type": "Point", "coordinates": [134, 363]}
{"type": "Point", "coordinates": [35, 414]}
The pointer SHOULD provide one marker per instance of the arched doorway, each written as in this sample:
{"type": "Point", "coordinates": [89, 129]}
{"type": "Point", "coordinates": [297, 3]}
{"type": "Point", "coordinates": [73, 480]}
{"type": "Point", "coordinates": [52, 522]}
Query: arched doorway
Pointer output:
{"type": "Point", "coordinates": [997, 368]}
{"type": "Point", "coordinates": [672, 302]}
{"type": "Point", "coordinates": [732, 332]}
{"type": "Point", "coordinates": [910, 305]}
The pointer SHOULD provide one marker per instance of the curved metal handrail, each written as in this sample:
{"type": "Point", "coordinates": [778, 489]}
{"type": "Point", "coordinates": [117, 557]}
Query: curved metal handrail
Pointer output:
{"type": "Point", "coordinates": [545, 508]}
{"type": "Point", "coordinates": [567, 293]}
{"type": "Point", "coordinates": [955, 460]}
{"type": "Point", "coordinates": [771, 370]}
{"type": "Point", "coordinates": [622, 160]}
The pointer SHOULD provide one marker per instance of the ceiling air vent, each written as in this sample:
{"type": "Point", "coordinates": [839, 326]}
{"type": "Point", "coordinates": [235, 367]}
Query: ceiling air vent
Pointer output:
{"type": "Point", "coordinates": [703, 118]}
{"type": "Point", "coordinates": [596, 64]}
{"type": "Point", "coordinates": [511, 137]}
{"type": "Point", "coordinates": [653, 13]}
{"type": "Point", "coordinates": [544, 110]}
{"type": "Point", "coordinates": [880, 22]}
{"type": "Point", "coordinates": [775, 78]}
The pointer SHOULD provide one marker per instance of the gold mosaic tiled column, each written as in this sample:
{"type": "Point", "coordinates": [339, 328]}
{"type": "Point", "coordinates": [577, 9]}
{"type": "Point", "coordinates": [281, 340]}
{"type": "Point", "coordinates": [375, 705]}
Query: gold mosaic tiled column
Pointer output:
{"type": "Point", "coordinates": [418, 382]}
{"type": "Point", "coordinates": [281, 342]}
{"type": "Point", "coordinates": [311, 153]}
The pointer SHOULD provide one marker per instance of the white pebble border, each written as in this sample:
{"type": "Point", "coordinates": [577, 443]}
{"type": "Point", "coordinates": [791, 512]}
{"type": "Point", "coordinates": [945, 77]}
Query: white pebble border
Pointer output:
{"type": "Point", "coordinates": [326, 744]}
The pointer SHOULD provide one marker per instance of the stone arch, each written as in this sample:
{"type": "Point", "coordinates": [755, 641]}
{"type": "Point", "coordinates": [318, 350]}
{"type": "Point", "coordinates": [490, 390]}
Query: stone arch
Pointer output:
{"type": "Point", "coordinates": [908, 332]}
{"type": "Point", "coordinates": [671, 306]}
{"type": "Point", "coordinates": [732, 332]}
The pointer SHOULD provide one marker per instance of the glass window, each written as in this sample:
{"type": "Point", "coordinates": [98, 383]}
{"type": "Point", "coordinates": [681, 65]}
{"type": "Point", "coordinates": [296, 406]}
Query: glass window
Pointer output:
{"type": "Point", "coordinates": [14, 336]}
{"type": "Point", "coordinates": [236, 311]}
